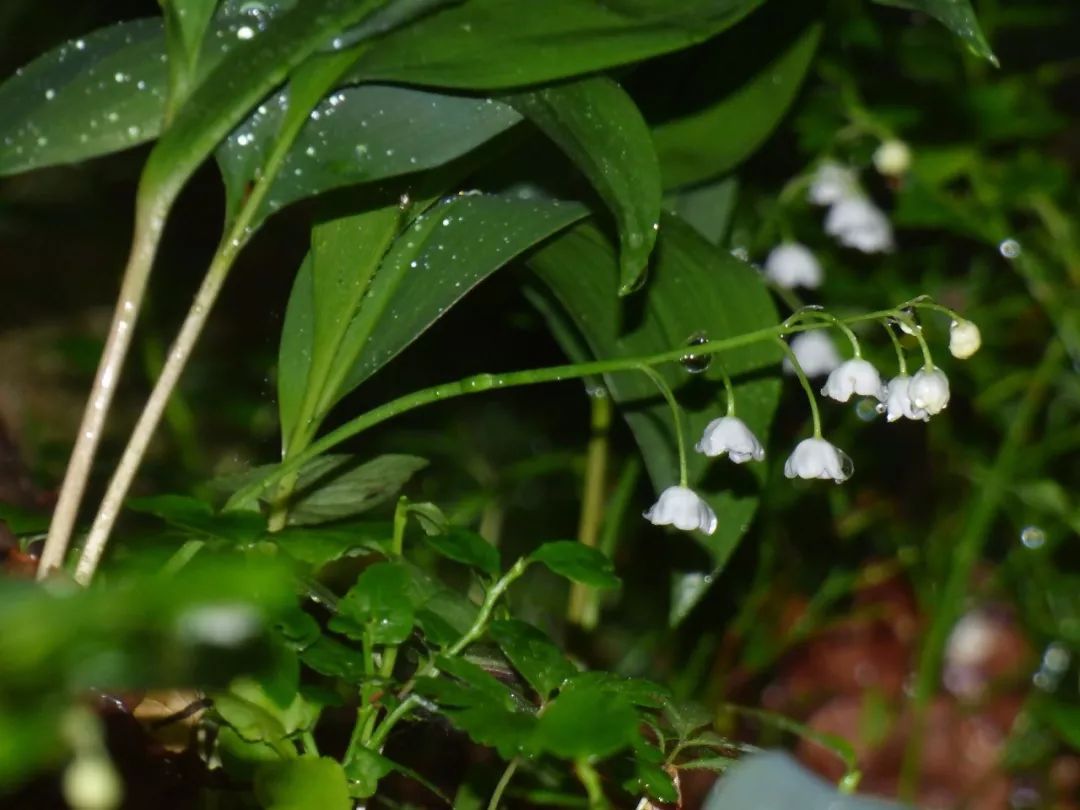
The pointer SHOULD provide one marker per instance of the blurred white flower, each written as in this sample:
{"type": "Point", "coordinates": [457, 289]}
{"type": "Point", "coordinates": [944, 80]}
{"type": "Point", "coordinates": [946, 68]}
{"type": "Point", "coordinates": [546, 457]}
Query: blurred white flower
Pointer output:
{"type": "Point", "coordinates": [682, 508]}
{"type": "Point", "coordinates": [816, 458]}
{"type": "Point", "coordinates": [856, 376]}
{"type": "Point", "coordinates": [898, 404]}
{"type": "Point", "coordinates": [832, 183]}
{"type": "Point", "coordinates": [892, 158]}
{"type": "Point", "coordinates": [90, 782]}
{"type": "Point", "coordinates": [793, 265]}
{"type": "Point", "coordinates": [929, 390]}
{"type": "Point", "coordinates": [857, 223]}
{"type": "Point", "coordinates": [964, 339]}
{"type": "Point", "coordinates": [730, 435]}
{"type": "Point", "coordinates": [814, 352]}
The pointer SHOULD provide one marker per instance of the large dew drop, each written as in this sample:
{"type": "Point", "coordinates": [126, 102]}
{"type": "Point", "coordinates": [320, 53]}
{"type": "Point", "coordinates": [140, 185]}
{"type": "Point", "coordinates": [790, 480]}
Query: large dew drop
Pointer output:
{"type": "Point", "coordinates": [696, 363]}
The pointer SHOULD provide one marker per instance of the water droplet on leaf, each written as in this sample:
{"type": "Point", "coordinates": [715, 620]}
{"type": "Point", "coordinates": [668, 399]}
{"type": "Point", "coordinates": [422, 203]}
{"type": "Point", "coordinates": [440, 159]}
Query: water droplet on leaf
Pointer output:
{"type": "Point", "coordinates": [696, 363]}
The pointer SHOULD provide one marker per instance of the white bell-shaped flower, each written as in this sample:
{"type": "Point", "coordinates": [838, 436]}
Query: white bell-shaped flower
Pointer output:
{"type": "Point", "coordinates": [793, 265]}
{"type": "Point", "coordinates": [730, 435]}
{"type": "Point", "coordinates": [816, 458]}
{"type": "Point", "coordinates": [832, 183]}
{"type": "Point", "coordinates": [964, 339]}
{"type": "Point", "coordinates": [682, 508]}
{"type": "Point", "coordinates": [898, 404]}
{"type": "Point", "coordinates": [855, 376]}
{"type": "Point", "coordinates": [857, 223]}
{"type": "Point", "coordinates": [892, 158]}
{"type": "Point", "coordinates": [815, 353]}
{"type": "Point", "coordinates": [929, 390]}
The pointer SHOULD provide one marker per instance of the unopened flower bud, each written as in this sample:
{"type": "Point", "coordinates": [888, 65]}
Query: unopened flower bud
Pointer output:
{"type": "Point", "coordinates": [91, 783]}
{"type": "Point", "coordinates": [964, 339]}
{"type": "Point", "coordinates": [892, 158]}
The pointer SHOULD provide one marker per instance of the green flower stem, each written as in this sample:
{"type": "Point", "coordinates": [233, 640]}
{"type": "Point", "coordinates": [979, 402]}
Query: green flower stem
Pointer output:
{"type": "Point", "coordinates": [828, 317]}
{"type": "Point", "coordinates": [228, 249]}
{"type": "Point", "coordinates": [729, 389]}
{"type": "Point", "coordinates": [805, 383]}
{"type": "Point", "coordinates": [916, 330]}
{"type": "Point", "coordinates": [592, 499]}
{"type": "Point", "coordinates": [482, 383]}
{"type": "Point", "coordinates": [923, 302]}
{"type": "Point", "coordinates": [151, 210]}
{"type": "Point", "coordinates": [591, 780]}
{"type": "Point", "coordinates": [504, 780]}
{"type": "Point", "coordinates": [948, 603]}
{"type": "Point", "coordinates": [676, 417]}
{"type": "Point", "coordinates": [901, 360]}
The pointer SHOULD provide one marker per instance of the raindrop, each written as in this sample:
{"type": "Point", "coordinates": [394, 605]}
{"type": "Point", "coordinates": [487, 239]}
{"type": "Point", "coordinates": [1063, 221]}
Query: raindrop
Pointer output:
{"type": "Point", "coordinates": [133, 131]}
{"type": "Point", "coordinates": [696, 363]}
{"type": "Point", "coordinates": [868, 409]}
{"type": "Point", "coordinates": [847, 466]}
{"type": "Point", "coordinates": [50, 94]}
{"type": "Point", "coordinates": [120, 77]}
{"type": "Point", "coordinates": [245, 32]}
{"type": "Point", "coordinates": [42, 141]}
{"type": "Point", "coordinates": [361, 150]}
{"type": "Point", "coordinates": [79, 44]}
{"type": "Point", "coordinates": [1032, 537]}
{"type": "Point", "coordinates": [1010, 248]}
{"type": "Point", "coordinates": [310, 151]}
{"type": "Point", "coordinates": [446, 221]}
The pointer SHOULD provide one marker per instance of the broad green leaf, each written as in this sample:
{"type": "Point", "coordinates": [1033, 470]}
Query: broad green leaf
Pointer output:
{"type": "Point", "coordinates": [577, 562]}
{"type": "Point", "coordinates": [600, 129]}
{"type": "Point", "coordinates": [302, 784]}
{"type": "Point", "coordinates": [586, 722]}
{"type": "Point", "coordinates": [364, 769]}
{"type": "Point", "coordinates": [638, 691]}
{"type": "Point", "coordinates": [193, 515]}
{"type": "Point", "coordinates": [694, 289]}
{"type": "Point", "coordinates": [334, 487]}
{"type": "Point", "coordinates": [186, 22]}
{"type": "Point", "coordinates": [377, 608]}
{"type": "Point", "coordinates": [707, 208]}
{"type": "Point", "coordinates": [319, 545]}
{"type": "Point", "coordinates": [465, 546]}
{"type": "Point", "coordinates": [533, 654]}
{"type": "Point", "coordinates": [357, 135]}
{"type": "Point", "coordinates": [330, 657]}
{"type": "Point", "coordinates": [713, 140]}
{"type": "Point", "coordinates": [686, 718]}
{"type": "Point", "coordinates": [956, 15]}
{"type": "Point", "coordinates": [494, 43]}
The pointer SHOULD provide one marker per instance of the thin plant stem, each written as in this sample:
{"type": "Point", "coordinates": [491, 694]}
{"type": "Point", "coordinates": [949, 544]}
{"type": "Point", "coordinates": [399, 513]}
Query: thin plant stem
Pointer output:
{"type": "Point", "coordinates": [482, 383]}
{"type": "Point", "coordinates": [229, 248]}
{"type": "Point", "coordinates": [901, 360]}
{"type": "Point", "coordinates": [966, 553]}
{"type": "Point", "coordinates": [729, 389]}
{"type": "Point", "coordinates": [805, 383]}
{"type": "Point", "coordinates": [588, 776]}
{"type": "Point", "coordinates": [504, 780]}
{"type": "Point", "coordinates": [151, 212]}
{"type": "Point", "coordinates": [592, 497]}
{"type": "Point", "coordinates": [676, 417]}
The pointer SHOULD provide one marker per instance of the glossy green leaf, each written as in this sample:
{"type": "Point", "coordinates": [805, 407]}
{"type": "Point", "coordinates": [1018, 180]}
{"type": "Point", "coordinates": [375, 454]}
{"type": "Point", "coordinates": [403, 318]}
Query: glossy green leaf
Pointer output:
{"type": "Point", "coordinates": [706, 208]}
{"type": "Point", "coordinates": [711, 141]}
{"type": "Point", "coordinates": [956, 15]}
{"type": "Point", "coordinates": [577, 562]}
{"type": "Point", "coordinates": [494, 44]}
{"type": "Point", "coordinates": [586, 722]}
{"type": "Point", "coordinates": [330, 657]}
{"type": "Point", "coordinates": [600, 129]}
{"type": "Point", "coordinates": [377, 608]}
{"type": "Point", "coordinates": [364, 769]}
{"type": "Point", "coordinates": [694, 289]}
{"type": "Point", "coordinates": [302, 784]}
{"type": "Point", "coordinates": [198, 517]}
{"type": "Point", "coordinates": [186, 22]}
{"type": "Point", "coordinates": [319, 545]}
{"type": "Point", "coordinates": [533, 654]}
{"type": "Point", "coordinates": [335, 487]}
{"type": "Point", "coordinates": [357, 135]}
{"type": "Point", "coordinates": [466, 546]}
{"type": "Point", "coordinates": [637, 691]}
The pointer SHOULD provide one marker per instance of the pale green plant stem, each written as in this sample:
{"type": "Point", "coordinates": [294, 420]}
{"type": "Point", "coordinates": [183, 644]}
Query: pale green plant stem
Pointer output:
{"type": "Point", "coordinates": [805, 383]}
{"type": "Point", "coordinates": [916, 330]}
{"type": "Point", "coordinates": [676, 417]}
{"type": "Point", "coordinates": [966, 553]}
{"type": "Point", "coordinates": [592, 498]}
{"type": "Point", "coordinates": [729, 389]}
{"type": "Point", "coordinates": [151, 210]}
{"type": "Point", "coordinates": [504, 780]}
{"type": "Point", "coordinates": [482, 383]}
{"type": "Point", "coordinates": [828, 317]}
{"type": "Point", "coordinates": [588, 776]}
{"type": "Point", "coordinates": [228, 249]}
{"type": "Point", "coordinates": [901, 359]}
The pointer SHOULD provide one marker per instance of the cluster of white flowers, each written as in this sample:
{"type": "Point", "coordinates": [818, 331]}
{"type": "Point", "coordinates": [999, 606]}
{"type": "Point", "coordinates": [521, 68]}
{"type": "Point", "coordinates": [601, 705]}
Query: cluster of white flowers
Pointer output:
{"type": "Point", "coordinates": [916, 397]}
{"type": "Point", "coordinates": [853, 219]}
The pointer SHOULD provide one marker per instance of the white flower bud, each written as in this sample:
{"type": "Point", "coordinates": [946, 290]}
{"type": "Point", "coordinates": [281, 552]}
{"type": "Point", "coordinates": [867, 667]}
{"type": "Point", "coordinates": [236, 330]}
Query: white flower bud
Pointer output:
{"type": "Point", "coordinates": [929, 390]}
{"type": "Point", "coordinates": [855, 376]}
{"type": "Point", "coordinates": [964, 339]}
{"type": "Point", "coordinates": [816, 458]}
{"type": "Point", "coordinates": [832, 183]}
{"type": "Point", "coordinates": [682, 508]}
{"type": "Point", "coordinates": [857, 223]}
{"type": "Point", "coordinates": [793, 265]}
{"type": "Point", "coordinates": [91, 783]}
{"type": "Point", "coordinates": [815, 353]}
{"type": "Point", "coordinates": [730, 435]}
{"type": "Point", "coordinates": [892, 158]}
{"type": "Point", "coordinates": [898, 404]}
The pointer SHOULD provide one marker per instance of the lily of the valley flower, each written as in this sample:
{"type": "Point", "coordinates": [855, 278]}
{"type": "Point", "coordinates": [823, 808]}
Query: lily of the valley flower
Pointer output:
{"type": "Point", "coordinates": [682, 508]}
{"type": "Point", "coordinates": [964, 339]}
{"type": "Point", "coordinates": [814, 352]}
{"type": "Point", "coordinates": [892, 158]}
{"type": "Point", "coordinates": [793, 265]}
{"type": "Point", "coordinates": [816, 458]}
{"type": "Point", "coordinates": [929, 390]}
{"type": "Point", "coordinates": [730, 435]}
{"type": "Point", "coordinates": [856, 222]}
{"type": "Point", "coordinates": [898, 404]}
{"type": "Point", "coordinates": [855, 376]}
{"type": "Point", "coordinates": [832, 183]}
